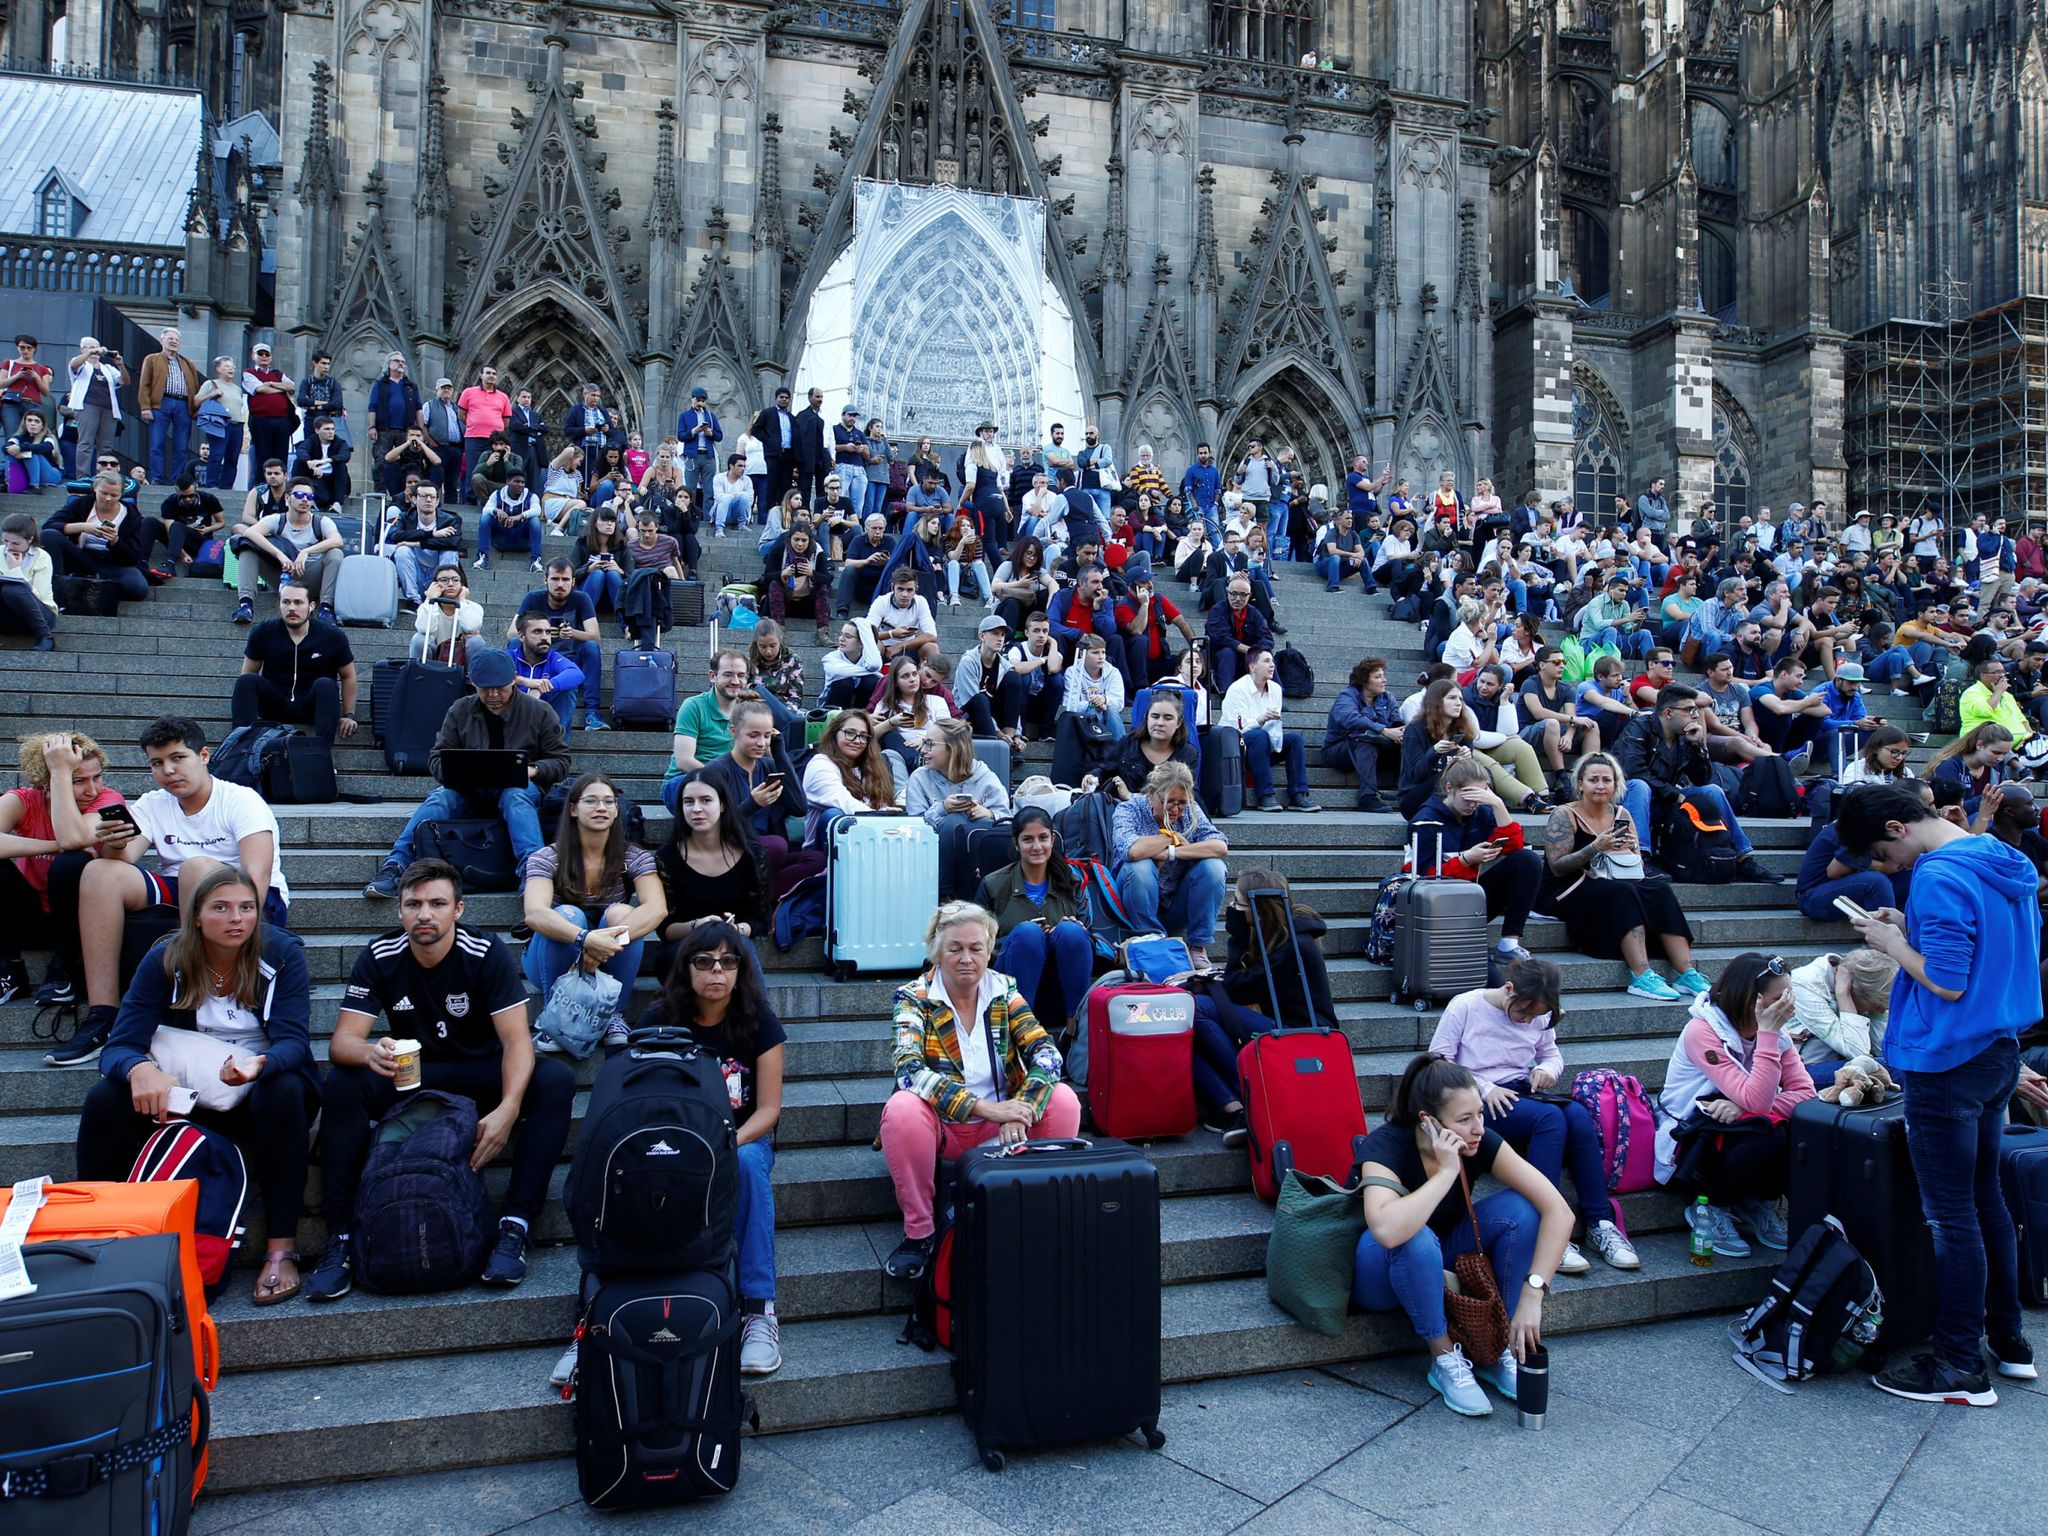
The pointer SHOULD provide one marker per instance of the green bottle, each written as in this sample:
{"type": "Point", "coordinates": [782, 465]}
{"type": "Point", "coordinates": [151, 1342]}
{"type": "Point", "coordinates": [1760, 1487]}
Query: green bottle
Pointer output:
{"type": "Point", "coordinates": [1702, 1244]}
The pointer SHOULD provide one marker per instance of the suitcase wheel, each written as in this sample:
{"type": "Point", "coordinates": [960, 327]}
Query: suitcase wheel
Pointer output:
{"type": "Point", "coordinates": [1422, 1005]}
{"type": "Point", "coordinates": [1154, 1436]}
{"type": "Point", "coordinates": [992, 1459]}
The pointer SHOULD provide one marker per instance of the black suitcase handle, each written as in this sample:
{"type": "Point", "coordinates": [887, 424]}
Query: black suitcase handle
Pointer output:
{"type": "Point", "coordinates": [77, 1251]}
{"type": "Point", "coordinates": [1050, 1144]}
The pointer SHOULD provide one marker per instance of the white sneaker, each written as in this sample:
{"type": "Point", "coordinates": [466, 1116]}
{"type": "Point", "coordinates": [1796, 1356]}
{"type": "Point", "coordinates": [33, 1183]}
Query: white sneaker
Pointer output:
{"type": "Point", "coordinates": [1609, 1242]}
{"type": "Point", "coordinates": [1450, 1375]}
{"type": "Point", "coordinates": [760, 1343]}
{"type": "Point", "coordinates": [546, 1046]}
{"type": "Point", "coordinates": [565, 1368]}
{"type": "Point", "coordinates": [477, 564]}
{"type": "Point", "coordinates": [1500, 1375]}
{"type": "Point", "coordinates": [1573, 1262]}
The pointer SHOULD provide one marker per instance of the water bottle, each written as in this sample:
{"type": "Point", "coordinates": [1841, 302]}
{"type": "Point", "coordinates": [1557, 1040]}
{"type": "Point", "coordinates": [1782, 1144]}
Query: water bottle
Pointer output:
{"type": "Point", "coordinates": [1532, 1387]}
{"type": "Point", "coordinates": [1702, 1244]}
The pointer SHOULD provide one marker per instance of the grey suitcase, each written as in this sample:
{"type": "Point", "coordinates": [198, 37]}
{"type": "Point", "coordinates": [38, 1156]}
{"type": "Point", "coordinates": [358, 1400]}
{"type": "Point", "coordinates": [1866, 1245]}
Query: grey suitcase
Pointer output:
{"type": "Point", "coordinates": [366, 591]}
{"type": "Point", "coordinates": [994, 751]}
{"type": "Point", "coordinates": [1440, 932]}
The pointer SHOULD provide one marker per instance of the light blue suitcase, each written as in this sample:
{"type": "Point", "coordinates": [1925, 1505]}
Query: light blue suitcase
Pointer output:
{"type": "Point", "coordinates": [881, 888]}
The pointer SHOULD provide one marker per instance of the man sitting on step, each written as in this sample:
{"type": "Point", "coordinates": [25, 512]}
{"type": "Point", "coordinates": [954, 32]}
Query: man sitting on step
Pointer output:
{"type": "Point", "coordinates": [498, 717]}
{"type": "Point", "coordinates": [572, 622]}
{"type": "Point", "coordinates": [195, 823]}
{"type": "Point", "coordinates": [458, 992]}
{"type": "Point", "coordinates": [297, 669]}
{"type": "Point", "coordinates": [542, 672]}
{"type": "Point", "coordinates": [299, 544]}
{"type": "Point", "coordinates": [1664, 756]}
{"type": "Point", "coordinates": [422, 538]}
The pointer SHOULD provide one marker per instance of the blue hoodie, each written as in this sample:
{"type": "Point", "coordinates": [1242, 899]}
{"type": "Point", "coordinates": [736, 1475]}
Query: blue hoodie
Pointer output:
{"type": "Point", "coordinates": [1974, 919]}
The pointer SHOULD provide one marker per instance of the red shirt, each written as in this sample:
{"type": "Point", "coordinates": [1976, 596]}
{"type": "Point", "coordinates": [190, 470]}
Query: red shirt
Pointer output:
{"type": "Point", "coordinates": [36, 824]}
{"type": "Point", "coordinates": [31, 382]}
{"type": "Point", "coordinates": [1163, 613]}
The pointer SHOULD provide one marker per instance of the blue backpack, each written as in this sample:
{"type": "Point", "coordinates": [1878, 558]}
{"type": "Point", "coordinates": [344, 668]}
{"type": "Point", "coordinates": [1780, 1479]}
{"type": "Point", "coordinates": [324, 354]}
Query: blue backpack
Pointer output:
{"type": "Point", "coordinates": [423, 1219]}
{"type": "Point", "coordinates": [1104, 915]}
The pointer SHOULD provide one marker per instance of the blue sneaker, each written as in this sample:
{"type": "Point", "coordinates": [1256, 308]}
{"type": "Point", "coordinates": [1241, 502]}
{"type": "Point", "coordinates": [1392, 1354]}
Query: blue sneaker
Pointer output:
{"type": "Point", "coordinates": [1692, 981]}
{"type": "Point", "coordinates": [506, 1266]}
{"type": "Point", "coordinates": [1451, 1378]}
{"type": "Point", "coordinates": [1655, 988]}
{"type": "Point", "coordinates": [1500, 1375]}
{"type": "Point", "coordinates": [594, 722]}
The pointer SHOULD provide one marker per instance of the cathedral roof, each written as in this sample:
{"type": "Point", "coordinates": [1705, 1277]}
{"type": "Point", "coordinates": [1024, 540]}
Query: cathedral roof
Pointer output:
{"type": "Point", "coordinates": [125, 152]}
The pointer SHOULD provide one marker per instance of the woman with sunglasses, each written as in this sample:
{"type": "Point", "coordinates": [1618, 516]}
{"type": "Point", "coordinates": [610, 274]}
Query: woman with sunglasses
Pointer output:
{"type": "Point", "coordinates": [1733, 1066]}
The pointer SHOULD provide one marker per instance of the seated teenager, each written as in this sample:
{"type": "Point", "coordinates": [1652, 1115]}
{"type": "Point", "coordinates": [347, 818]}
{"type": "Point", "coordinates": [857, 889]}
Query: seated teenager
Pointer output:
{"type": "Point", "coordinates": [1167, 857]}
{"type": "Point", "coordinates": [1259, 975]}
{"type": "Point", "coordinates": [1593, 878]}
{"type": "Point", "coordinates": [1025, 583]}
{"type": "Point", "coordinates": [194, 823]}
{"type": "Point", "coordinates": [601, 560]}
{"type": "Point", "coordinates": [712, 868]}
{"type": "Point", "coordinates": [758, 778]}
{"type": "Point", "coordinates": [904, 709]}
{"type": "Point", "coordinates": [40, 870]}
{"type": "Point", "coordinates": [1499, 739]}
{"type": "Point", "coordinates": [1664, 756]}
{"type": "Point", "coordinates": [1828, 870]}
{"type": "Point", "coordinates": [1042, 939]}
{"type": "Point", "coordinates": [972, 1063]}
{"type": "Point", "coordinates": [1839, 1006]}
{"type": "Point", "coordinates": [512, 519]}
{"type": "Point", "coordinates": [232, 992]}
{"type": "Point", "coordinates": [1603, 698]}
{"type": "Point", "coordinates": [592, 899]}
{"type": "Point", "coordinates": [99, 534]}
{"type": "Point", "coordinates": [852, 670]}
{"type": "Point", "coordinates": [775, 671]}
{"type": "Point", "coordinates": [1974, 761]}
{"type": "Point", "coordinates": [456, 990]}
{"type": "Point", "coordinates": [1506, 1037]}
{"type": "Point", "coordinates": [297, 670]}
{"type": "Point", "coordinates": [1733, 1066]}
{"type": "Point", "coordinates": [1363, 731]}
{"type": "Point", "coordinates": [846, 774]}
{"type": "Point", "coordinates": [496, 717]}
{"type": "Point", "coordinates": [421, 542]}
{"type": "Point", "coordinates": [1255, 707]}
{"type": "Point", "coordinates": [1548, 708]}
{"type": "Point", "coordinates": [189, 518]}
{"type": "Point", "coordinates": [1882, 758]}
{"type": "Point", "coordinates": [1478, 839]}
{"type": "Point", "coordinates": [1162, 737]}
{"type": "Point", "coordinates": [447, 622]}
{"type": "Point", "coordinates": [957, 794]}
{"type": "Point", "coordinates": [1091, 717]}
{"type": "Point", "coordinates": [990, 696]}
{"type": "Point", "coordinates": [1445, 728]}
{"type": "Point", "coordinates": [797, 579]}
{"type": "Point", "coordinates": [28, 599]}
{"type": "Point", "coordinates": [1036, 658]}
{"type": "Point", "coordinates": [1420, 1214]}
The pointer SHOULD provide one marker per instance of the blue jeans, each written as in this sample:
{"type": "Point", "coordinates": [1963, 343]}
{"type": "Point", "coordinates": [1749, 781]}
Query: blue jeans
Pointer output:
{"type": "Point", "coordinates": [548, 960]}
{"type": "Point", "coordinates": [416, 566]}
{"type": "Point", "coordinates": [1867, 888]}
{"type": "Point", "coordinates": [226, 462]}
{"type": "Point", "coordinates": [1955, 1125]}
{"type": "Point", "coordinates": [1638, 642]}
{"type": "Point", "coordinates": [1635, 795]}
{"type": "Point", "coordinates": [756, 1221]}
{"type": "Point", "coordinates": [520, 809]}
{"type": "Point", "coordinates": [604, 588]}
{"type": "Point", "coordinates": [1259, 755]}
{"type": "Point", "coordinates": [1335, 571]}
{"type": "Point", "coordinates": [733, 509]}
{"type": "Point", "coordinates": [589, 659]}
{"type": "Point", "coordinates": [1217, 1082]}
{"type": "Point", "coordinates": [1888, 664]}
{"type": "Point", "coordinates": [509, 533]}
{"type": "Point", "coordinates": [1052, 970]}
{"type": "Point", "coordinates": [1549, 1136]}
{"type": "Point", "coordinates": [170, 440]}
{"type": "Point", "coordinates": [698, 469]}
{"type": "Point", "coordinates": [1411, 1277]}
{"type": "Point", "coordinates": [1194, 904]}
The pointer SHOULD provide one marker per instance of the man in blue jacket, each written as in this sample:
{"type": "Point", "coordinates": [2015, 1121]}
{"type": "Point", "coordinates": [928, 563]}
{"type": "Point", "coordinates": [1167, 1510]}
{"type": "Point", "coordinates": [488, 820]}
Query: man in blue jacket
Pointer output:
{"type": "Point", "coordinates": [697, 429]}
{"type": "Point", "coordinates": [544, 672]}
{"type": "Point", "coordinates": [1201, 486]}
{"type": "Point", "coordinates": [1969, 951]}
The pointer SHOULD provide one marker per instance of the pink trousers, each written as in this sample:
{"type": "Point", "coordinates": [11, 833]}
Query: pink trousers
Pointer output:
{"type": "Point", "coordinates": [913, 1137]}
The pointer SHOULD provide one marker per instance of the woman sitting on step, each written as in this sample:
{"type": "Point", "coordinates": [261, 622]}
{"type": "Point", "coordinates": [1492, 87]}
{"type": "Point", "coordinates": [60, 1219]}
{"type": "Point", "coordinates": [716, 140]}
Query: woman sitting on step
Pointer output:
{"type": "Point", "coordinates": [1465, 832]}
{"type": "Point", "coordinates": [1420, 1214]}
{"type": "Point", "coordinates": [1506, 1037]}
{"type": "Point", "coordinates": [1041, 911]}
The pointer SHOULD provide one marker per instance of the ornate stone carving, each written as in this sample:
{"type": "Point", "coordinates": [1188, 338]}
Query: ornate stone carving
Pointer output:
{"type": "Point", "coordinates": [431, 197]}
{"type": "Point", "coordinates": [372, 298]}
{"type": "Point", "coordinates": [318, 182]}
{"type": "Point", "coordinates": [1290, 305]}
{"type": "Point", "coordinates": [714, 317]}
{"type": "Point", "coordinates": [947, 112]}
{"type": "Point", "coordinates": [664, 214]}
{"type": "Point", "coordinates": [1159, 130]}
{"type": "Point", "coordinates": [382, 31]}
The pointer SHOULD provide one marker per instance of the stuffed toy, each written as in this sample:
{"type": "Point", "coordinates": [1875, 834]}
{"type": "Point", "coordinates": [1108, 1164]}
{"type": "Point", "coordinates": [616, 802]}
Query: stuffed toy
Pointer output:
{"type": "Point", "coordinates": [1862, 1081]}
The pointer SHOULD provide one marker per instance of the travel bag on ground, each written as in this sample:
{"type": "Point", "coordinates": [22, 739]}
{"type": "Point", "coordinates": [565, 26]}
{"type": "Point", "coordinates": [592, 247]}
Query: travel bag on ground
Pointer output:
{"type": "Point", "coordinates": [1056, 1295]}
{"type": "Point", "coordinates": [423, 1220]}
{"type": "Point", "coordinates": [106, 1426]}
{"type": "Point", "coordinates": [1221, 780]}
{"type": "Point", "coordinates": [1621, 1112]}
{"type": "Point", "coordinates": [286, 766]}
{"type": "Point", "coordinates": [383, 680]}
{"type": "Point", "coordinates": [366, 588]}
{"type": "Point", "coordinates": [244, 755]}
{"type": "Point", "coordinates": [2023, 1174]}
{"type": "Point", "coordinates": [654, 1185]}
{"type": "Point", "coordinates": [421, 696]}
{"type": "Point", "coordinates": [1695, 843]}
{"type": "Point", "coordinates": [881, 886]}
{"type": "Point", "coordinates": [1440, 929]}
{"type": "Point", "coordinates": [1852, 1164]}
{"type": "Point", "coordinates": [185, 1149]}
{"type": "Point", "coordinates": [478, 846]}
{"type": "Point", "coordinates": [644, 689]}
{"type": "Point", "coordinates": [1141, 1045]}
{"type": "Point", "coordinates": [1821, 1313]}
{"type": "Point", "coordinates": [658, 1399]}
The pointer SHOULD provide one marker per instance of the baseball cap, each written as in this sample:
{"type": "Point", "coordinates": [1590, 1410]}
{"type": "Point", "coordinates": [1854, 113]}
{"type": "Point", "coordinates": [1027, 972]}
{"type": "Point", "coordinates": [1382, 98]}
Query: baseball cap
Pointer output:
{"type": "Point", "coordinates": [491, 669]}
{"type": "Point", "coordinates": [1849, 672]}
{"type": "Point", "coordinates": [991, 623]}
{"type": "Point", "coordinates": [444, 379]}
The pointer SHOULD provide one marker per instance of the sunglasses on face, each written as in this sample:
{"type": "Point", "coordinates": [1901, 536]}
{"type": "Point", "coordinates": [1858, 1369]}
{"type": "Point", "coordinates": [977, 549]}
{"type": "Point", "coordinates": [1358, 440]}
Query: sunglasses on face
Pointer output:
{"type": "Point", "coordinates": [707, 964]}
{"type": "Point", "coordinates": [301, 495]}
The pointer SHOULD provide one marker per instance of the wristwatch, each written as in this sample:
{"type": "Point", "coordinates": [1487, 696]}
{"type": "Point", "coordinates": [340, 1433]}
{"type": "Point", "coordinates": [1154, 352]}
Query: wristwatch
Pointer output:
{"type": "Point", "coordinates": [1538, 1284]}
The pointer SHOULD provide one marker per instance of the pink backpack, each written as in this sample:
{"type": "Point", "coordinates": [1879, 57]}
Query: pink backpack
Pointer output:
{"type": "Point", "coordinates": [1627, 1124]}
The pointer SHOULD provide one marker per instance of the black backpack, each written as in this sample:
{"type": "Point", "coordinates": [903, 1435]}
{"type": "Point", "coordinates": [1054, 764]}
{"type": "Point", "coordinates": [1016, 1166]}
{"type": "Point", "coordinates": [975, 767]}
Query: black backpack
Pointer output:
{"type": "Point", "coordinates": [654, 1184]}
{"type": "Point", "coordinates": [423, 1219]}
{"type": "Point", "coordinates": [1822, 1312]}
{"type": "Point", "coordinates": [1945, 714]}
{"type": "Point", "coordinates": [1084, 827]}
{"type": "Point", "coordinates": [246, 755]}
{"type": "Point", "coordinates": [1695, 844]}
{"type": "Point", "coordinates": [1768, 790]}
{"type": "Point", "coordinates": [1297, 677]}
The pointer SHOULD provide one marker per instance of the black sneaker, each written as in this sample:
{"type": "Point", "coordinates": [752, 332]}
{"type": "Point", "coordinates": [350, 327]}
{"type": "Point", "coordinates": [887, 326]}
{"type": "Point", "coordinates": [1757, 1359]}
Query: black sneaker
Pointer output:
{"type": "Point", "coordinates": [83, 1048]}
{"type": "Point", "coordinates": [910, 1258]}
{"type": "Point", "coordinates": [1747, 868]}
{"type": "Point", "coordinates": [56, 988]}
{"type": "Point", "coordinates": [2014, 1357]}
{"type": "Point", "coordinates": [385, 886]}
{"type": "Point", "coordinates": [334, 1276]}
{"type": "Point", "coordinates": [506, 1266]}
{"type": "Point", "coordinates": [13, 981]}
{"type": "Point", "coordinates": [245, 612]}
{"type": "Point", "coordinates": [1927, 1378]}
{"type": "Point", "coordinates": [1236, 1131]}
{"type": "Point", "coordinates": [1372, 804]}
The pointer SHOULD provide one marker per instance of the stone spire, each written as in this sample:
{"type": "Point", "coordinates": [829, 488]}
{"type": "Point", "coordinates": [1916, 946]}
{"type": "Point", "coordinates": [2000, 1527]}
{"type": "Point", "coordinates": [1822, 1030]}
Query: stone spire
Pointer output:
{"type": "Point", "coordinates": [318, 182]}
{"type": "Point", "coordinates": [431, 198]}
{"type": "Point", "coordinates": [664, 216]}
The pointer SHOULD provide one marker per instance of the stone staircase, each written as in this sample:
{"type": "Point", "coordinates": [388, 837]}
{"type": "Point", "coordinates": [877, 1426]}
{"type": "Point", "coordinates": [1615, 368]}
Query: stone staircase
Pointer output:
{"type": "Point", "coordinates": [376, 1386]}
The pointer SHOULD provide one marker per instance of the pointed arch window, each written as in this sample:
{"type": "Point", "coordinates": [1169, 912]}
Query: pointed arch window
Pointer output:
{"type": "Point", "coordinates": [1717, 276]}
{"type": "Point", "coordinates": [1713, 146]}
{"type": "Point", "coordinates": [1585, 124]}
{"type": "Point", "coordinates": [1731, 469]}
{"type": "Point", "coordinates": [1596, 454]}
{"type": "Point", "coordinates": [1265, 31]}
{"type": "Point", "coordinates": [1585, 256]}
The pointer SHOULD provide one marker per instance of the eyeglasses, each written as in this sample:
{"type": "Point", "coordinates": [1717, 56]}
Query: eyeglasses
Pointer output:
{"type": "Point", "coordinates": [706, 964]}
{"type": "Point", "coordinates": [853, 735]}
{"type": "Point", "coordinates": [608, 803]}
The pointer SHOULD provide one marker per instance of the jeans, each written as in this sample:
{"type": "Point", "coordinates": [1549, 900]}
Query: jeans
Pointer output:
{"type": "Point", "coordinates": [1193, 905]}
{"type": "Point", "coordinates": [1867, 888]}
{"type": "Point", "coordinates": [1336, 571]}
{"type": "Point", "coordinates": [508, 533]}
{"type": "Point", "coordinates": [914, 1138]}
{"type": "Point", "coordinates": [548, 960]}
{"type": "Point", "coordinates": [604, 589]}
{"type": "Point", "coordinates": [520, 809]}
{"type": "Point", "coordinates": [170, 439]}
{"type": "Point", "coordinates": [319, 703]}
{"type": "Point", "coordinates": [1954, 1128]}
{"type": "Point", "coordinates": [1217, 1082]}
{"type": "Point", "coordinates": [698, 469]}
{"type": "Point", "coordinates": [1638, 642]}
{"type": "Point", "coordinates": [756, 1220]}
{"type": "Point", "coordinates": [31, 474]}
{"type": "Point", "coordinates": [1549, 1136]}
{"type": "Point", "coordinates": [1365, 756]}
{"type": "Point", "coordinates": [1635, 796]}
{"type": "Point", "coordinates": [981, 576]}
{"type": "Point", "coordinates": [1259, 753]}
{"type": "Point", "coordinates": [69, 558]}
{"type": "Point", "coordinates": [1411, 1277]}
{"type": "Point", "coordinates": [1894, 661]}
{"type": "Point", "coordinates": [23, 613]}
{"type": "Point", "coordinates": [226, 462]}
{"type": "Point", "coordinates": [416, 566]}
{"type": "Point", "coordinates": [1052, 970]}
{"type": "Point", "coordinates": [733, 508]}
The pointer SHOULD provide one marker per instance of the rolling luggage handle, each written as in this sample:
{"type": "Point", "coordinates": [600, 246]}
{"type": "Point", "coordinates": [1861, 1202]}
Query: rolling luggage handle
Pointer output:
{"type": "Point", "coordinates": [1051, 1144]}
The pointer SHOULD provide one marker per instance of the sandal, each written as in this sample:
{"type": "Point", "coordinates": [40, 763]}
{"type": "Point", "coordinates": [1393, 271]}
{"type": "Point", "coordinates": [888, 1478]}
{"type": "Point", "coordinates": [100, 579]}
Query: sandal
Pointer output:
{"type": "Point", "coordinates": [270, 1286]}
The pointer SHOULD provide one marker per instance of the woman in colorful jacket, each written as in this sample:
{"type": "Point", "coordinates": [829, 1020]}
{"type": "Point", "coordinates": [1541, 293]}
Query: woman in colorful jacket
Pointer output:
{"type": "Point", "coordinates": [972, 1063]}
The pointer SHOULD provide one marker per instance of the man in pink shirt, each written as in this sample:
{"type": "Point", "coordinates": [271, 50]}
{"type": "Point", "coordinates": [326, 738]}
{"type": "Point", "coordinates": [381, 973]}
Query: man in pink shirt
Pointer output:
{"type": "Point", "coordinates": [485, 410]}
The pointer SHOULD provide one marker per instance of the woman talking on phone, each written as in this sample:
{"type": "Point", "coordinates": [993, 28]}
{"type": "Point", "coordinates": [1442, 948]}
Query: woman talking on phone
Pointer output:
{"type": "Point", "coordinates": [757, 778]}
{"type": "Point", "coordinates": [1418, 1168]}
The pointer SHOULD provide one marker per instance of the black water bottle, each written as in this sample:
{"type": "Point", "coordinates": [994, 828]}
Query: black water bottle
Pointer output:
{"type": "Point", "coordinates": [1532, 1387]}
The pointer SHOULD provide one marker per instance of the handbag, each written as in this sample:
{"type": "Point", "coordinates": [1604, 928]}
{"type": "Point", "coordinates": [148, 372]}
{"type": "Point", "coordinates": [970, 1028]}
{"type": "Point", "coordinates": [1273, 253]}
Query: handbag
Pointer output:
{"type": "Point", "coordinates": [580, 1004]}
{"type": "Point", "coordinates": [1477, 1317]}
{"type": "Point", "coordinates": [1316, 1226]}
{"type": "Point", "coordinates": [1108, 480]}
{"type": "Point", "coordinates": [1093, 726]}
{"type": "Point", "coordinates": [1040, 791]}
{"type": "Point", "coordinates": [194, 1061]}
{"type": "Point", "coordinates": [1619, 866]}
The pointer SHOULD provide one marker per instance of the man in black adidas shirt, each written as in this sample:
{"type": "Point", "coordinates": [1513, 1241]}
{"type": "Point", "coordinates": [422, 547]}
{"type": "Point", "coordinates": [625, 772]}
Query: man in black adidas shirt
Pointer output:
{"type": "Point", "coordinates": [458, 992]}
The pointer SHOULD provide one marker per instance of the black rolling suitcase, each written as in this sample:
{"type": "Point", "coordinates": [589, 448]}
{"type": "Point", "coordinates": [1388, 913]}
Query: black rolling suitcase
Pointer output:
{"type": "Point", "coordinates": [1056, 1295]}
{"type": "Point", "coordinates": [2023, 1174]}
{"type": "Point", "coordinates": [421, 695]}
{"type": "Point", "coordinates": [1221, 784]}
{"type": "Point", "coordinates": [658, 1399]}
{"type": "Point", "coordinates": [1852, 1164]}
{"type": "Point", "coordinates": [98, 1398]}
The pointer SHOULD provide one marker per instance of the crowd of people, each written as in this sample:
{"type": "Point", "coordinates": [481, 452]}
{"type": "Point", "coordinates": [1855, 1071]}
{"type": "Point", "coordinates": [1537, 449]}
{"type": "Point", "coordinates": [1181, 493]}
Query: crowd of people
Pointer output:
{"type": "Point", "coordinates": [1530, 617]}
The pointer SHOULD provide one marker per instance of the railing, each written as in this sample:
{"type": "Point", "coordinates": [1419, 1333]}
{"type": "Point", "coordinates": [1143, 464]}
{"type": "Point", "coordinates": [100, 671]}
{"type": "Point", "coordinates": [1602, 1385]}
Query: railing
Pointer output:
{"type": "Point", "coordinates": [104, 74]}
{"type": "Point", "coordinates": [139, 272]}
{"type": "Point", "coordinates": [1250, 78]}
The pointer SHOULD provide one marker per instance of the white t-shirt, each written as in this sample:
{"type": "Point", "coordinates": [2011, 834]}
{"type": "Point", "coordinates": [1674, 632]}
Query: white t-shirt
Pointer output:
{"type": "Point", "coordinates": [226, 1020]}
{"type": "Point", "coordinates": [1926, 536]}
{"type": "Point", "coordinates": [884, 614]}
{"type": "Point", "coordinates": [231, 813]}
{"type": "Point", "coordinates": [279, 530]}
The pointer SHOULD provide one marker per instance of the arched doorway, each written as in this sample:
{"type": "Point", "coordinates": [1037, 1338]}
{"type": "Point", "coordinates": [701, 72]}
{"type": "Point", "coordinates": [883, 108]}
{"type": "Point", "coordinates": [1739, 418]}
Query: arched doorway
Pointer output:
{"type": "Point", "coordinates": [1292, 411]}
{"type": "Point", "coordinates": [547, 349]}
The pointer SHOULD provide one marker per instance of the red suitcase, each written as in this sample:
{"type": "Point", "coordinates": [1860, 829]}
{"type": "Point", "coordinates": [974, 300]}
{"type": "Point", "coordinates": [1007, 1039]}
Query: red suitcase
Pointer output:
{"type": "Point", "coordinates": [1300, 1089]}
{"type": "Point", "coordinates": [1141, 1053]}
